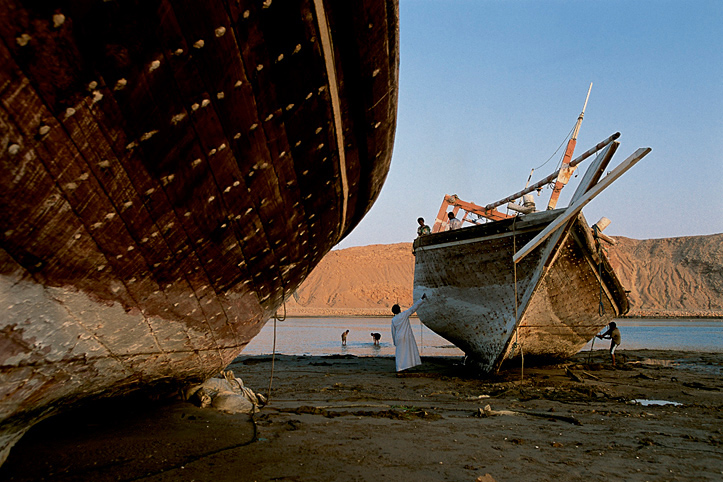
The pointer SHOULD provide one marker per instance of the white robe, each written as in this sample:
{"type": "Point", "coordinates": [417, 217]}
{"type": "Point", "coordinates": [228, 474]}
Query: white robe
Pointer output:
{"type": "Point", "coordinates": [407, 354]}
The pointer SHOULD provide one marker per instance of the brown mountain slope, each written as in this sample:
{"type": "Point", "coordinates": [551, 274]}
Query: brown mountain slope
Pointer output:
{"type": "Point", "coordinates": [680, 275]}
{"type": "Point", "coordinates": [365, 280]}
{"type": "Point", "coordinates": [666, 277]}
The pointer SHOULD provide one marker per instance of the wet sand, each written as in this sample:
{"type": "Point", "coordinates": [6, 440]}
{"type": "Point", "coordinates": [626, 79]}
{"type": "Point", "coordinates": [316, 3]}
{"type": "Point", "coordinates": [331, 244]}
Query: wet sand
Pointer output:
{"type": "Point", "coordinates": [347, 418]}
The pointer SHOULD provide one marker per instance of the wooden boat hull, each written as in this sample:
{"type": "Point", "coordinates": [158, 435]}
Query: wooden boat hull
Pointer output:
{"type": "Point", "coordinates": [171, 173]}
{"type": "Point", "coordinates": [476, 294]}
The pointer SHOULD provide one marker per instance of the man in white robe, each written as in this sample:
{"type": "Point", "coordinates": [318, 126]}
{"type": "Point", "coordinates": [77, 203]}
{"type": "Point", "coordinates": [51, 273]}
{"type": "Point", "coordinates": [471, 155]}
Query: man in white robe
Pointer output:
{"type": "Point", "coordinates": [406, 354]}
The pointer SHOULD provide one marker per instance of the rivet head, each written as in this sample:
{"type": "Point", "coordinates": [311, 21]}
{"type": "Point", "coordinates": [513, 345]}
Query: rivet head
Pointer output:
{"type": "Point", "coordinates": [23, 40]}
{"type": "Point", "coordinates": [58, 20]}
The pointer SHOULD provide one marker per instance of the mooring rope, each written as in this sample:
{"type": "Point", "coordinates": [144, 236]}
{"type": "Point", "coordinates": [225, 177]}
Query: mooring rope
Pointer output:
{"type": "Point", "coordinates": [514, 269]}
{"type": "Point", "coordinates": [273, 352]}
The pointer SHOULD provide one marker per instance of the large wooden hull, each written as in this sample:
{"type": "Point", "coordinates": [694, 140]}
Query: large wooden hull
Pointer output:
{"type": "Point", "coordinates": [171, 172]}
{"type": "Point", "coordinates": [562, 295]}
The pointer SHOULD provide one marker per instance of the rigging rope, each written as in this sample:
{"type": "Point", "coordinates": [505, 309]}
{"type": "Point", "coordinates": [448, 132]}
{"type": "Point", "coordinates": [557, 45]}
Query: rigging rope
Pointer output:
{"type": "Point", "coordinates": [556, 150]}
{"type": "Point", "coordinates": [514, 269]}
{"type": "Point", "coordinates": [600, 252]}
{"type": "Point", "coordinates": [273, 352]}
{"type": "Point", "coordinates": [592, 345]}
{"type": "Point", "coordinates": [559, 164]}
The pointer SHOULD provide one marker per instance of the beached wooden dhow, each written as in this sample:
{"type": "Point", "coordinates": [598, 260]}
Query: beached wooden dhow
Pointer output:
{"type": "Point", "coordinates": [171, 172]}
{"type": "Point", "coordinates": [534, 283]}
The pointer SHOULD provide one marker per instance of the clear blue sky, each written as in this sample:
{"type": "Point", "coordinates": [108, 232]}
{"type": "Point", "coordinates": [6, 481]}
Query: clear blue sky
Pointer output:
{"type": "Point", "coordinates": [489, 89]}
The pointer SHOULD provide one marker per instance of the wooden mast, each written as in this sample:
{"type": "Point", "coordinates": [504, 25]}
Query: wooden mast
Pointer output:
{"type": "Point", "coordinates": [566, 170]}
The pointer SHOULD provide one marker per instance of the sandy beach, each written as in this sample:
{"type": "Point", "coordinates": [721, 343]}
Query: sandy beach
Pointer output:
{"type": "Point", "coordinates": [348, 418]}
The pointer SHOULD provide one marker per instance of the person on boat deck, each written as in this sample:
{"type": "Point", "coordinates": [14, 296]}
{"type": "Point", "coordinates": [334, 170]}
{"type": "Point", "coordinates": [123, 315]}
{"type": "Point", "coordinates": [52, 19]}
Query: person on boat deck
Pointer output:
{"type": "Point", "coordinates": [454, 223]}
{"type": "Point", "coordinates": [613, 334]}
{"type": "Point", "coordinates": [423, 229]}
{"type": "Point", "coordinates": [406, 353]}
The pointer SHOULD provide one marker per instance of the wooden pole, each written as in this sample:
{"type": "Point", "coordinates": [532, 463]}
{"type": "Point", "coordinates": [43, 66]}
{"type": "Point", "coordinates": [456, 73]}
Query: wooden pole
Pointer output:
{"type": "Point", "coordinates": [566, 170]}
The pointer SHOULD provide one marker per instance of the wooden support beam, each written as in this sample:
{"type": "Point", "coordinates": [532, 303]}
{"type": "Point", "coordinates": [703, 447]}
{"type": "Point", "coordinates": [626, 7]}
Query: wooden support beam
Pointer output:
{"type": "Point", "coordinates": [577, 206]}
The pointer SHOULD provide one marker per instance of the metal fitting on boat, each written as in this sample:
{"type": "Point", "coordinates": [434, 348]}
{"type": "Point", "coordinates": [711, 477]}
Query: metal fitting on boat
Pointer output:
{"type": "Point", "coordinates": [528, 205]}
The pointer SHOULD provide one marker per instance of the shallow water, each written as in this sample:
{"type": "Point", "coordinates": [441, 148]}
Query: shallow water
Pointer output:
{"type": "Point", "coordinates": [683, 335]}
{"type": "Point", "coordinates": [647, 403]}
{"type": "Point", "coordinates": [322, 336]}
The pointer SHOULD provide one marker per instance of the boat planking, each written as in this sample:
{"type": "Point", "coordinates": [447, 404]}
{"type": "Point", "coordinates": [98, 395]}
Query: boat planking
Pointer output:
{"type": "Point", "coordinates": [171, 173]}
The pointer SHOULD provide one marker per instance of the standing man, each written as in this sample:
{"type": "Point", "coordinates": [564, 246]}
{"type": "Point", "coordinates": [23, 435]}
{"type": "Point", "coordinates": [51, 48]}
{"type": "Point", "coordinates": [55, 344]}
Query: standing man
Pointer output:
{"type": "Point", "coordinates": [613, 334]}
{"type": "Point", "coordinates": [343, 337]}
{"type": "Point", "coordinates": [406, 353]}
{"type": "Point", "coordinates": [454, 223]}
{"type": "Point", "coordinates": [423, 229]}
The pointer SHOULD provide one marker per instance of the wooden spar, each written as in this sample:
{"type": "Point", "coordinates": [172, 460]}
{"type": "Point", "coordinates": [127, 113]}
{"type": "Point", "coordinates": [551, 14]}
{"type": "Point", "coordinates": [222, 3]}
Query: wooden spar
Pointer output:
{"type": "Point", "coordinates": [441, 221]}
{"type": "Point", "coordinates": [595, 171]}
{"type": "Point", "coordinates": [552, 176]}
{"type": "Point", "coordinates": [566, 170]}
{"type": "Point", "coordinates": [577, 206]}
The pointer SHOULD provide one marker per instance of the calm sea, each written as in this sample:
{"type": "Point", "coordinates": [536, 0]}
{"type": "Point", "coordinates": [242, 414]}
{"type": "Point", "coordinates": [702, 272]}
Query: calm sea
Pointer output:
{"type": "Point", "coordinates": [322, 336]}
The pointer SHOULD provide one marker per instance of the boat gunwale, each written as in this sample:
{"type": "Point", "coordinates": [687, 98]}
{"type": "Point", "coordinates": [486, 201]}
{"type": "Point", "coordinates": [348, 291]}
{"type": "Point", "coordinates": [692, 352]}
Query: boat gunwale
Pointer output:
{"type": "Point", "coordinates": [490, 230]}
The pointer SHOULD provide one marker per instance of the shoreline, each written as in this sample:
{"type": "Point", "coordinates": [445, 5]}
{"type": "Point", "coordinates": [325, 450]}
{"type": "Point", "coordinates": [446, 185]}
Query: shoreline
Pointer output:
{"type": "Point", "coordinates": [342, 417]}
{"type": "Point", "coordinates": [672, 317]}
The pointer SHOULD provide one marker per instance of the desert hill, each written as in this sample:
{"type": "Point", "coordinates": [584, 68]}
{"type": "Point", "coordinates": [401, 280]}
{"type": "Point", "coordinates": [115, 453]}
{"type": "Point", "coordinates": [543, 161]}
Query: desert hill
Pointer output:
{"type": "Point", "coordinates": [666, 277]}
{"type": "Point", "coordinates": [672, 275]}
